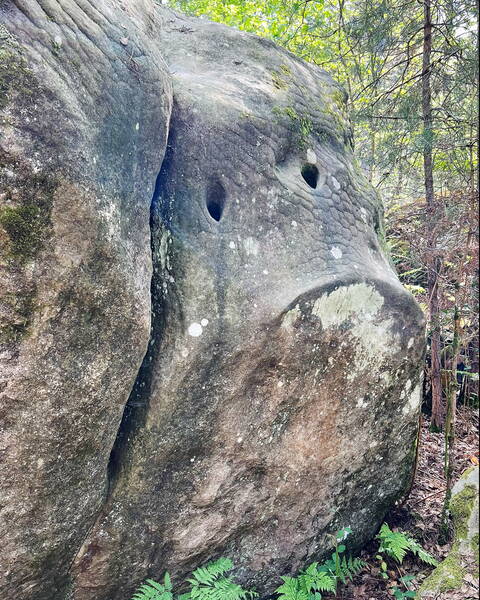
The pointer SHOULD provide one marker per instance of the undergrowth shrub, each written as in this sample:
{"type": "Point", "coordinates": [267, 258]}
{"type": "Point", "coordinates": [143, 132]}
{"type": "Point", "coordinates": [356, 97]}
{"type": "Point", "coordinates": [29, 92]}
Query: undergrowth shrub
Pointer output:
{"type": "Point", "coordinates": [211, 582]}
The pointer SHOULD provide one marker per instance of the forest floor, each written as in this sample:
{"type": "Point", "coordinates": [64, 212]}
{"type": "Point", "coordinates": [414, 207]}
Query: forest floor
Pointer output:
{"type": "Point", "coordinates": [420, 516]}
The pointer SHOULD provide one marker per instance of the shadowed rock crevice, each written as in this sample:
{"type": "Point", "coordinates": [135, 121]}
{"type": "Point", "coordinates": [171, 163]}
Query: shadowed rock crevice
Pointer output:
{"type": "Point", "coordinates": [137, 406]}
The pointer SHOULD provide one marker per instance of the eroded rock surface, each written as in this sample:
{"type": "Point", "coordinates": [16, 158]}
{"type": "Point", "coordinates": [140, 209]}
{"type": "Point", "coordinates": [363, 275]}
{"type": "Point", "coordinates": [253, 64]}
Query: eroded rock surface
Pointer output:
{"type": "Point", "coordinates": [278, 396]}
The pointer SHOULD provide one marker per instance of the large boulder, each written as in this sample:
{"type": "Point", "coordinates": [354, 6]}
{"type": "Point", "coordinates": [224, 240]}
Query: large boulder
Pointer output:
{"type": "Point", "coordinates": [278, 396]}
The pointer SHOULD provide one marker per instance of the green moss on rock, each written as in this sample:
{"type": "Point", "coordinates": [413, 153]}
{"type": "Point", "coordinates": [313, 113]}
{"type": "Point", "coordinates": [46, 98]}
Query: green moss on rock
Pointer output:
{"type": "Point", "coordinates": [278, 81]}
{"type": "Point", "coordinates": [447, 576]}
{"type": "Point", "coordinates": [22, 305]}
{"type": "Point", "coordinates": [25, 226]}
{"type": "Point", "coordinates": [450, 573]}
{"type": "Point", "coordinates": [300, 125]}
{"type": "Point", "coordinates": [26, 208]}
{"type": "Point", "coordinates": [26, 223]}
{"type": "Point", "coordinates": [475, 548]}
{"type": "Point", "coordinates": [461, 507]}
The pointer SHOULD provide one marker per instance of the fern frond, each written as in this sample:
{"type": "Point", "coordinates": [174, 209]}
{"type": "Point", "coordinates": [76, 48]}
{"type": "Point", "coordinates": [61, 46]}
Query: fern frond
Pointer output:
{"type": "Point", "coordinates": [227, 589]}
{"type": "Point", "coordinates": [422, 554]}
{"type": "Point", "coordinates": [167, 582]}
{"type": "Point", "coordinates": [291, 589]}
{"type": "Point", "coordinates": [396, 544]}
{"type": "Point", "coordinates": [350, 567]}
{"type": "Point", "coordinates": [152, 590]}
{"type": "Point", "coordinates": [208, 573]}
{"type": "Point", "coordinates": [393, 543]}
{"type": "Point", "coordinates": [210, 583]}
{"type": "Point", "coordinates": [314, 580]}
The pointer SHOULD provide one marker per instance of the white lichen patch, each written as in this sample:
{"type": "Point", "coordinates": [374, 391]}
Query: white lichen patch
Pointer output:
{"type": "Point", "coordinates": [195, 329]}
{"type": "Point", "coordinates": [290, 317]}
{"type": "Point", "coordinates": [361, 403]}
{"type": "Point", "coordinates": [163, 250]}
{"type": "Point", "coordinates": [232, 245]}
{"type": "Point", "coordinates": [110, 219]}
{"type": "Point", "coordinates": [251, 246]}
{"type": "Point", "coordinates": [336, 252]}
{"type": "Point", "coordinates": [335, 183]}
{"type": "Point", "coordinates": [376, 341]}
{"type": "Point", "coordinates": [359, 305]}
{"type": "Point", "coordinates": [414, 400]}
{"type": "Point", "coordinates": [311, 156]}
{"type": "Point", "coordinates": [360, 300]}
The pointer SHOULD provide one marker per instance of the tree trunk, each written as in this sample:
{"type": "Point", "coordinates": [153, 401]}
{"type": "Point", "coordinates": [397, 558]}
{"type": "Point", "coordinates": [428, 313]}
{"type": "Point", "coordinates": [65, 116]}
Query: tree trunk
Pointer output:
{"type": "Point", "coordinates": [433, 260]}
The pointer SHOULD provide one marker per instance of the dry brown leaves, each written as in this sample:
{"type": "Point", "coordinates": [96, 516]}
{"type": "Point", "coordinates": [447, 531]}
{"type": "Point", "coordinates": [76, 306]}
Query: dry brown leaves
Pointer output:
{"type": "Point", "coordinates": [420, 516]}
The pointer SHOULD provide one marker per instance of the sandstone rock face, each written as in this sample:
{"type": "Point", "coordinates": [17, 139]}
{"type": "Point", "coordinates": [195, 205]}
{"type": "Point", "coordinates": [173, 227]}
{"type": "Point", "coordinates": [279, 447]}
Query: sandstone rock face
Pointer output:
{"type": "Point", "coordinates": [278, 396]}
{"type": "Point", "coordinates": [83, 131]}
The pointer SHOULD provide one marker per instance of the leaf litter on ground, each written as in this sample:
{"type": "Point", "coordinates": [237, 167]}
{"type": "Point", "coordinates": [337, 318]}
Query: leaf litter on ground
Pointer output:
{"type": "Point", "coordinates": [419, 517]}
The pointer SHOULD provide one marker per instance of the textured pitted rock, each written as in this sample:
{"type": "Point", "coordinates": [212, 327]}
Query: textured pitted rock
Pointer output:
{"type": "Point", "coordinates": [278, 399]}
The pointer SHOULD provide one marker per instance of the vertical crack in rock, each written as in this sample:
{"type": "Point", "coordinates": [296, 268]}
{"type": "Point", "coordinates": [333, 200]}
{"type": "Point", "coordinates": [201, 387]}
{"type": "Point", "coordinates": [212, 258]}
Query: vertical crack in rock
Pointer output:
{"type": "Point", "coordinates": [137, 406]}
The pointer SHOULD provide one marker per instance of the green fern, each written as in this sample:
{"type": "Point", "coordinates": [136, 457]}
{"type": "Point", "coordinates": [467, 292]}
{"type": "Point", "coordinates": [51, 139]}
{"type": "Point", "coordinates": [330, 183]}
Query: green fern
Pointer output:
{"type": "Point", "coordinates": [396, 545]}
{"type": "Point", "coordinates": [393, 543]}
{"type": "Point", "coordinates": [314, 580]}
{"type": "Point", "coordinates": [342, 568]}
{"type": "Point", "coordinates": [422, 554]}
{"type": "Point", "coordinates": [152, 590]}
{"type": "Point", "coordinates": [210, 583]}
{"type": "Point", "coordinates": [307, 585]}
{"type": "Point", "coordinates": [291, 589]}
{"type": "Point", "coordinates": [207, 583]}
{"type": "Point", "coordinates": [350, 567]}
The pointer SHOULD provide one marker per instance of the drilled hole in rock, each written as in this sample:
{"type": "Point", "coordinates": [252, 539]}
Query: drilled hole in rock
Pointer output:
{"type": "Point", "coordinates": [216, 200]}
{"type": "Point", "coordinates": [310, 174]}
